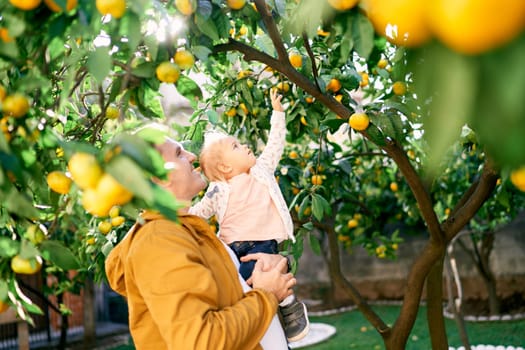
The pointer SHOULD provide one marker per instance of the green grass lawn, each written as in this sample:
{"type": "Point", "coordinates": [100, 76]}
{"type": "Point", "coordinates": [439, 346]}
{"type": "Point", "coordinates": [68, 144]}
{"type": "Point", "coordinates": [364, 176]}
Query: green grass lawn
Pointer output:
{"type": "Point", "coordinates": [354, 332]}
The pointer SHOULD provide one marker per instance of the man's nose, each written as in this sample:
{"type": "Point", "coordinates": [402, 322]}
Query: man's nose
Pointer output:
{"type": "Point", "coordinates": [190, 156]}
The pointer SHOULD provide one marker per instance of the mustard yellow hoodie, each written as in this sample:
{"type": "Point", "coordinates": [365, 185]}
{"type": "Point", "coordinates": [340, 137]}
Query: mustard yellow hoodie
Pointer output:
{"type": "Point", "coordinates": [182, 288]}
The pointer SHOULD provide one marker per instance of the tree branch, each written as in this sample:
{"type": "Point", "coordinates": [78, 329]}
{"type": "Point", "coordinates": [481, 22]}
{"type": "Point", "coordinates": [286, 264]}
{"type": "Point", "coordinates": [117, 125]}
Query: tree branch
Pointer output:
{"type": "Point", "coordinates": [473, 199]}
{"type": "Point", "coordinates": [273, 32]}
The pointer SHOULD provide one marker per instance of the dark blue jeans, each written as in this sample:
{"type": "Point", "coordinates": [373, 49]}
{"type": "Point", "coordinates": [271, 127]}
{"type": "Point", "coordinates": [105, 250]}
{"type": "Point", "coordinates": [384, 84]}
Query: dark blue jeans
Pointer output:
{"type": "Point", "coordinates": [242, 248]}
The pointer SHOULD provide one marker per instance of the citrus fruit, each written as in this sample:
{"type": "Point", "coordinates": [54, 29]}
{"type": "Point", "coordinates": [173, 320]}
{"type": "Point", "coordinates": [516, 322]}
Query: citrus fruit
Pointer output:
{"type": "Point", "coordinates": [186, 7]}
{"type": "Point", "coordinates": [112, 192]}
{"type": "Point", "coordinates": [394, 187]}
{"type": "Point", "coordinates": [382, 63]}
{"type": "Point", "coordinates": [90, 240]}
{"type": "Point", "coordinates": [309, 99]}
{"type": "Point", "coordinates": [399, 88]}
{"type": "Point", "coordinates": [168, 72]}
{"type": "Point", "coordinates": [35, 234]}
{"type": "Point", "coordinates": [112, 112]}
{"type": "Point", "coordinates": [4, 35]}
{"type": "Point", "coordinates": [94, 204]}
{"type": "Point", "coordinates": [53, 6]}
{"type": "Point", "coordinates": [115, 8]}
{"type": "Point", "coordinates": [342, 5]}
{"type": "Point", "coordinates": [352, 223]}
{"type": "Point", "coordinates": [304, 121]}
{"type": "Point", "coordinates": [293, 155]}
{"type": "Point", "coordinates": [184, 59]}
{"type": "Point", "coordinates": [85, 170]}
{"type": "Point", "coordinates": [283, 86]}
{"type": "Point", "coordinates": [104, 227]}
{"type": "Point", "coordinates": [58, 182]}
{"type": "Point", "coordinates": [317, 180]}
{"type": "Point", "coordinates": [26, 266]}
{"type": "Point", "coordinates": [402, 22]}
{"type": "Point", "coordinates": [3, 306]}
{"type": "Point", "coordinates": [3, 93]}
{"type": "Point", "coordinates": [296, 60]}
{"type": "Point", "coordinates": [236, 4]}
{"type": "Point", "coordinates": [517, 177]}
{"type": "Point", "coordinates": [333, 85]}
{"type": "Point", "coordinates": [117, 221]}
{"type": "Point", "coordinates": [25, 5]}
{"type": "Point", "coordinates": [359, 121]}
{"type": "Point", "coordinates": [364, 79]}
{"type": "Point", "coordinates": [232, 112]}
{"type": "Point", "coordinates": [114, 211]}
{"type": "Point", "coordinates": [15, 105]}
{"type": "Point", "coordinates": [475, 26]}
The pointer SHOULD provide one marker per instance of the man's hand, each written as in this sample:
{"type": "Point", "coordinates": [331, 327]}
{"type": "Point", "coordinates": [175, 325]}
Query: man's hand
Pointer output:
{"type": "Point", "coordinates": [273, 280]}
{"type": "Point", "coordinates": [268, 260]}
{"type": "Point", "coordinates": [276, 101]}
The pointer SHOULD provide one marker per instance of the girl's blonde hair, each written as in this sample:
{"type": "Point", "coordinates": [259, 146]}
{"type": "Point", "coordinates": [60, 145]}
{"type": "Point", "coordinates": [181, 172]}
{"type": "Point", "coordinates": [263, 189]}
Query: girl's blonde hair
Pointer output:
{"type": "Point", "coordinates": [211, 156]}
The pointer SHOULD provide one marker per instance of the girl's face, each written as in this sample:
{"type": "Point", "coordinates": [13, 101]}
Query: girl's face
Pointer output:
{"type": "Point", "coordinates": [237, 156]}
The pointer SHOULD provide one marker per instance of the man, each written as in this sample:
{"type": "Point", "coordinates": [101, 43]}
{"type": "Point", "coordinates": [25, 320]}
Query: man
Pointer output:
{"type": "Point", "coordinates": [181, 285]}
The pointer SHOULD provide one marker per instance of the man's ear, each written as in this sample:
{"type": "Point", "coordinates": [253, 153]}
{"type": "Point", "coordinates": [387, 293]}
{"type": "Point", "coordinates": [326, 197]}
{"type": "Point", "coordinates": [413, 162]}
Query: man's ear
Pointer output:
{"type": "Point", "coordinates": [224, 168]}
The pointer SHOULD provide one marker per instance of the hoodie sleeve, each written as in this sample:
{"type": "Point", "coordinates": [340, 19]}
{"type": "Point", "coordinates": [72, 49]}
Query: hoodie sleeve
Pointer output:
{"type": "Point", "coordinates": [114, 264]}
{"type": "Point", "coordinates": [186, 296]}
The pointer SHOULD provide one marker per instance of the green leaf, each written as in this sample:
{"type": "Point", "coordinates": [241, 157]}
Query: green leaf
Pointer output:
{"type": "Point", "coordinates": [319, 206]}
{"type": "Point", "coordinates": [3, 290]}
{"type": "Point", "coordinates": [314, 244]}
{"type": "Point", "coordinates": [144, 70]}
{"type": "Point", "coordinates": [166, 203]}
{"type": "Point", "coordinates": [130, 28]}
{"type": "Point", "coordinates": [385, 124]}
{"type": "Point", "coordinates": [363, 35]}
{"type": "Point", "coordinates": [188, 88]}
{"type": "Point", "coordinates": [137, 148]}
{"type": "Point", "coordinates": [207, 27]}
{"type": "Point", "coordinates": [213, 116]}
{"type": "Point", "coordinates": [375, 135]}
{"type": "Point", "coordinates": [59, 254]}
{"type": "Point", "coordinates": [8, 247]}
{"type": "Point", "coordinates": [16, 202]}
{"type": "Point", "coordinates": [131, 176]}
{"type": "Point", "coordinates": [99, 63]}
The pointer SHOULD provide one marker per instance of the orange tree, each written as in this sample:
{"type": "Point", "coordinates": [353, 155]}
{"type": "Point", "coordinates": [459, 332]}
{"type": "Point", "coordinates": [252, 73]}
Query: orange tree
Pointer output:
{"type": "Point", "coordinates": [65, 71]}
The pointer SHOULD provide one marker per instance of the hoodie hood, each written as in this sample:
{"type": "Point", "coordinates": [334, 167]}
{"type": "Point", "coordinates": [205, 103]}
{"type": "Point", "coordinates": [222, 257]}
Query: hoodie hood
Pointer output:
{"type": "Point", "coordinates": [115, 261]}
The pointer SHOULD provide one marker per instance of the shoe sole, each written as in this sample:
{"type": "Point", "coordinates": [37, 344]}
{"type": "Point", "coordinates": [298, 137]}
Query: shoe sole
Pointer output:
{"type": "Point", "coordinates": [305, 330]}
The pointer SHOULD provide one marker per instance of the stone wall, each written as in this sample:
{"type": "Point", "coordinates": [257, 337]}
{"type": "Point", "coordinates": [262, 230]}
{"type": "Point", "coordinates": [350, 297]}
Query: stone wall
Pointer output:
{"type": "Point", "coordinates": [384, 279]}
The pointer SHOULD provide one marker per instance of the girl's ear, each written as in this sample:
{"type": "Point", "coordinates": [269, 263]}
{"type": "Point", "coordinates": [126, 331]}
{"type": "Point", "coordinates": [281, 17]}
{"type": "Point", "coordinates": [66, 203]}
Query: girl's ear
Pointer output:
{"type": "Point", "coordinates": [224, 168]}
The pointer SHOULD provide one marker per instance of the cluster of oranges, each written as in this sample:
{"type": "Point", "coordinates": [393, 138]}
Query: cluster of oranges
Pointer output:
{"type": "Point", "coordinates": [115, 8]}
{"type": "Point", "coordinates": [101, 191]}
{"type": "Point", "coordinates": [169, 71]}
{"type": "Point", "coordinates": [188, 7]}
{"type": "Point", "coordinates": [469, 27]}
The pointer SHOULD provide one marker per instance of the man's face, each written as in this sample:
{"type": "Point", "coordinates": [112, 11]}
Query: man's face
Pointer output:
{"type": "Point", "coordinates": [183, 180]}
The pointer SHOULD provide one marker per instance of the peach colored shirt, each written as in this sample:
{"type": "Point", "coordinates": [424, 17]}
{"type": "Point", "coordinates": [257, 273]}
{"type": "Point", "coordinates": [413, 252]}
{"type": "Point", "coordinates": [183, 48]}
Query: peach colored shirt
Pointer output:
{"type": "Point", "coordinates": [251, 214]}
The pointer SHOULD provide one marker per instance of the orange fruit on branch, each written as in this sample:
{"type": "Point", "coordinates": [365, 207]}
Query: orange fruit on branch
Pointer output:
{"type": "Point", "coordinates": [168, 72]}
{"type": "Point", "coordinates": [59, 182]}
{"type": "Point", "coordinates": [115, 8]}
{"type": "Point", "coordinates": [25, 5]}
{"type": "Point", "coordinates": [85, 170]}
{"type": "Point", "coordinates": [343, 5]}
{"type": "Point", "coordinates": [15, 105]}
{"type": "Point", "coordinates": [359, 121]}
{"type": "Point", "coordinates": [53, 6]}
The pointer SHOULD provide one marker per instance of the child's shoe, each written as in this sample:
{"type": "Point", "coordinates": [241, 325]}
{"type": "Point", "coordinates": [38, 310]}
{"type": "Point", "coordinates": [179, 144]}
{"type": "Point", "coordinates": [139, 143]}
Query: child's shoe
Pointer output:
{"type": "Point", "coordinates": [295, 319]}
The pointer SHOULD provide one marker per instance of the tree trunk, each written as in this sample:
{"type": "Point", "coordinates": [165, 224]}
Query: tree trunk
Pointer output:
{"type": "Point", "coordinates": [486, 247]}
{"type": "Point", "coordinates": [64, 325]}
{"type": "Point", "coordinates": [337, 288]}
{"type": "Point", "coordinates": [89, 314]}
{"type": "Point", "coordinates": [435, 320]}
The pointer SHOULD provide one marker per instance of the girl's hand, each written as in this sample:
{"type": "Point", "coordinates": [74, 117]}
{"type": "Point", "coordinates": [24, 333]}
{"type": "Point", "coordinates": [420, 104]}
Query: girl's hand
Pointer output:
{"type": "Point", "coordinates": [276, 101]}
